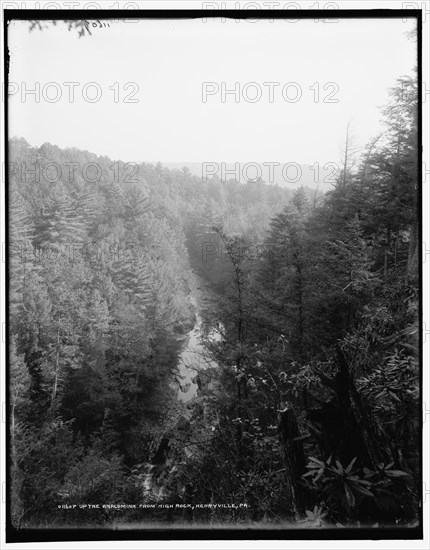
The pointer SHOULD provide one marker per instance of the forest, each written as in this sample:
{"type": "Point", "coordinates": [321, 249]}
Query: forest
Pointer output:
{"type": "Point", "coordinates": [307, 405]}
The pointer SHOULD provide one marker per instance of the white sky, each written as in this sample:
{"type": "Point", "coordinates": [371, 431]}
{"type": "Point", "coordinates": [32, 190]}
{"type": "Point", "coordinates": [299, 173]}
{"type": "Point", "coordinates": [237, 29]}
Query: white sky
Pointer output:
{"type": "Point", "coordinates": [169, 61]}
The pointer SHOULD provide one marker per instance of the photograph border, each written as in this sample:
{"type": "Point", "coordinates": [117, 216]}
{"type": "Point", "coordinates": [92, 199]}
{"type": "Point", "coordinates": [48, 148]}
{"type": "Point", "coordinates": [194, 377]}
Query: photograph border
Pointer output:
{"type": "Point", "coordinates": [14, 535]}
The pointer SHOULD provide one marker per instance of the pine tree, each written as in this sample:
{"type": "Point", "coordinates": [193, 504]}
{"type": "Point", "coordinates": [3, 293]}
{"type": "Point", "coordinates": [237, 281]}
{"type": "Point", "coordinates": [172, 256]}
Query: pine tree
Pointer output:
{"type": "Point", "coordinates": [131, 274]}
{"type": "Point", "coordinates": [286, 264]}
{"type": "Point", "coordinates": [19, 386]}
{"type": "Point", "coordinates": [136, 202]}
{"type": "Point", "coordinates": [21, 255]}
{"type": "Point", "coordinates": [60, 223]}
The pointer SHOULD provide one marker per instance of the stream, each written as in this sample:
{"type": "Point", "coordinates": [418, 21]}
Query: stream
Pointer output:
{"type": "Point", "coordinates": [192, 360]}
{"type": "Point", "coordinates": [193, 357]}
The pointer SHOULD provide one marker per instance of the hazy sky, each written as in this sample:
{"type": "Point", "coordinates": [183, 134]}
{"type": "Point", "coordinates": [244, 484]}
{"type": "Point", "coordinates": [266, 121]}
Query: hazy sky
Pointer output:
{"type": "Point", "coordinates": [170, 60]}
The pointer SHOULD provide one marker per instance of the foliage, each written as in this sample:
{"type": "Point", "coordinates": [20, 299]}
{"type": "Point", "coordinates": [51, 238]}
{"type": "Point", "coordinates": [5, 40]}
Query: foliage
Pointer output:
{"type": "Point", "coordinates": [345, 491]}
{"type": "Point", "coordinates": [310, 346]}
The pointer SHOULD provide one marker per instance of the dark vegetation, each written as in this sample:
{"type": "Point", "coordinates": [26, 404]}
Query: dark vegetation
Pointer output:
{"type": "Point", "coordinates": [312, 414]}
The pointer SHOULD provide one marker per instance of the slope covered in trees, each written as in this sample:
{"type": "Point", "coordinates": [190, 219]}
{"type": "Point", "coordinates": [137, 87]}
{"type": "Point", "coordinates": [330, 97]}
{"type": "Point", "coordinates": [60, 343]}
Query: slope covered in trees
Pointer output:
{"type": "Point", "coordinates": [99, 306]}
{"type": "Point", "coordinates": [319, 356]}
{"type": "Point", "coordinates": [312, 413]}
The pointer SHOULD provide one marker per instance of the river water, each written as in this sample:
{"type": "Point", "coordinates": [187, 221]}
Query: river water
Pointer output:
{"type": "Point", "coordinates": [193, 357]}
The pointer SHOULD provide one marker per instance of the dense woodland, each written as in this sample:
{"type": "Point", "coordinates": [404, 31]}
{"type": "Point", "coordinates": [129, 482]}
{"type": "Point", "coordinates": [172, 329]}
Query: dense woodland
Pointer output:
{"type": "Point", "coordinates": [312, 415]}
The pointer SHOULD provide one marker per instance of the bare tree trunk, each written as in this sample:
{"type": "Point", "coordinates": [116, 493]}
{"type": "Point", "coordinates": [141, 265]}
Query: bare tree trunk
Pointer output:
{"type": "Point", "coordinates": [386, 252]}
{"type": "Point", "coordinates": [294, 459]}
{"type": "Point", "coordinates": [57, 366]}
{"type": "Point", "coordinates": [412, 265]}
{"type": "Point", "coordinates": [300, 295]}
{"type": "Point", "coordinates": [345, 158]}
